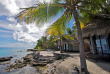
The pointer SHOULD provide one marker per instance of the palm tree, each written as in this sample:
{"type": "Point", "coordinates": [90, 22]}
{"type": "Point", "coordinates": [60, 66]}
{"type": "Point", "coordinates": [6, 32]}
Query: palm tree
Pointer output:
{"type": "Point", "coordinates": [39, 44]}
{"type": "Point", "coordinates": [44, 40]}
{"type": "Point", "coordinates": [43, 12]}
{"type": "Point", "coordinates": [57, 31]}
{"type": "Point", "coordinates": [50, 43]}
{"type": "Point", "coordinates": [69, 31]}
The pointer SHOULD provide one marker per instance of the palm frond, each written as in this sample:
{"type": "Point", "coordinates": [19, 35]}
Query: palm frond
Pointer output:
{"type": "Point", "coordinates": [59, 26]}
{"type": "Point", "coordinates": [68, 37]}
{"type": "Point", "coordinates": [40, 14]}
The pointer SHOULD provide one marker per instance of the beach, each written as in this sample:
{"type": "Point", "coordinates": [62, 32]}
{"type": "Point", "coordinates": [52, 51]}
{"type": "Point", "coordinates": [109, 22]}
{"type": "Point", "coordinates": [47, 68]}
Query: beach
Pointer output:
{"type": "Point", "coordinates": [52, 62]}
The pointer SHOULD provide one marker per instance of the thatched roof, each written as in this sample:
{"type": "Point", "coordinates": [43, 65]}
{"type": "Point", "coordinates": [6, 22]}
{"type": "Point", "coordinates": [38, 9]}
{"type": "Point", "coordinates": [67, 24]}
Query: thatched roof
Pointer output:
{"type": "Point", "coordinates": [64, 41]}
{"type": "Point", "coordinates": [99, 26]}
{"type": "Point", "coordinates": [70, 41]}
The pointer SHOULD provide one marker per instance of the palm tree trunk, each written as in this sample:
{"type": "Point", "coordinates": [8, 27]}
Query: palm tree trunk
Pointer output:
{"type": "Point", "coordinates": [81, 42]}
{"type": "Point", "coordinates": [60, 46]}
{"type": "Point", "coordinates": [45, 41]}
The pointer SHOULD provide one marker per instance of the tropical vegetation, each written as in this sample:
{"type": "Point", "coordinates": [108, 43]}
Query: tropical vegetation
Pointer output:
{"type": "Point", "coordinates": [58, 32]}
{"type": "Point", "coordinates": [44, 43]}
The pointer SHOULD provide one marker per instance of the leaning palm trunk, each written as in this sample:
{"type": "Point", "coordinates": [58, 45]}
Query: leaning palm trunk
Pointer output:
{"type": "Point", "coordinates": [81, 46]}
{"type": "Point", "coordinates": [60, 46]}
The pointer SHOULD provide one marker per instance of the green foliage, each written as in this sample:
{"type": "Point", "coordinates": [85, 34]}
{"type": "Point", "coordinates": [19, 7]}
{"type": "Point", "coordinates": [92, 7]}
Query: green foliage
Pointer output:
{"type": "Point", "coordinates": [89, 8]}
{"type": "Point", "coordinates": [54, 39]}
{"type": "Point", "coordinates": [35, 47]}
{"type": "Point", "coordinates": [44, 43]}
{"type": "Point", "coordinates": [40, 49]}
{"type": "Point", "coordinates": [68, 37]}
{"type": "Point", "coordinates": [40, 14]}
{"type": "Point", "coordinates": [58, 27]}
{"type": "Point", "coordinates": [69, 31]}
{"type": "Point", "coordinates": [39, 44]}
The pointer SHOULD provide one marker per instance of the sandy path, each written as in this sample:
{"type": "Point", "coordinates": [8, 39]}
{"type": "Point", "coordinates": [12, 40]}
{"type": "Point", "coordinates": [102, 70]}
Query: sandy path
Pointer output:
{"type": "Point", "coordinates": [46, 53]}
{"type": "Point", "coordinates": [93, 67]}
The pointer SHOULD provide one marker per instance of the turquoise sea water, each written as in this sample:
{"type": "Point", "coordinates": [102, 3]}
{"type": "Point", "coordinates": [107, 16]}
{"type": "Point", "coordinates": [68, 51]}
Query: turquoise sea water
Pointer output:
{"type": "Point", "coordinates": [6, 52]}
{"type": "Point", "coordinates": [17, 53]}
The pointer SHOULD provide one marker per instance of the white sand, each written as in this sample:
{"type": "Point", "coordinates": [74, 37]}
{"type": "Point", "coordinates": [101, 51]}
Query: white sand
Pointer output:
{"type": "Point", "coordinates": [93, 67]}
{"type": "Point", "coordinates": [46, 53]}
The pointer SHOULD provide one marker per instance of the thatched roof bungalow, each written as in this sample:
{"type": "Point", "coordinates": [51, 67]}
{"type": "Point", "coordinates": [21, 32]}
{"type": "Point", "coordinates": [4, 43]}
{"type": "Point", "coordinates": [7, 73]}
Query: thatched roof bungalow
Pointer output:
{"type": "Point", "coordinates": [98, 33]}
{"type": "Point", "coordinates": [68, 45]}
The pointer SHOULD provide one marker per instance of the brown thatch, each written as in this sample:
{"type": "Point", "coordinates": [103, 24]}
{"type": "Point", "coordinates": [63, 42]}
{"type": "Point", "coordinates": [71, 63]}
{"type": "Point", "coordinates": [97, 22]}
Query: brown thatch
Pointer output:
{"type": "Point", "coordinates": [64, 41]}
{"type": "Point", "coordinates": [73, 42]}
{"type": "Point", "coordinates": [99, 26]}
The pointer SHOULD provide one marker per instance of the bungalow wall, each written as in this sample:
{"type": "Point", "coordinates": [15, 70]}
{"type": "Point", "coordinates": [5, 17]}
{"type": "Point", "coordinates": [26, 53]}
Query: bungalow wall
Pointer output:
{"type": "Point", "coordinates": [70, 47]}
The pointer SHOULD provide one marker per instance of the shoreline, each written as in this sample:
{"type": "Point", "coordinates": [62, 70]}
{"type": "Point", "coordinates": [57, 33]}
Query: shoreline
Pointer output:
{"type": "Point", "coordinates": [45, 58]}
{"type": "Point", "coordinates": [56, 63]}
{"type": "Point", "coordinates": [6, 55]}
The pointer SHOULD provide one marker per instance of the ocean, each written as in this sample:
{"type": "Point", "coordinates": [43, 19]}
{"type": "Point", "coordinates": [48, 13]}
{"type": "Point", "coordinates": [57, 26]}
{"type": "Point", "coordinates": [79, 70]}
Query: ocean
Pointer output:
{"type": "Point", "coordinates": [7, 51]}
{"type": "Point", "coordinates": [16, 53]}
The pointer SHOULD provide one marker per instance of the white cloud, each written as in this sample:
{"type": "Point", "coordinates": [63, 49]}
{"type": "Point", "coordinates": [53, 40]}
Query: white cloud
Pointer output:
{"type": "Point", "coordinates": [12, 19]}
{"type": "Point", "coordinates": [12, 7]}
{"type": "Point", "coordinates": [21, 31]}
{"type": "Point", "coordinates": [9, 6]}
{"type": "Point", "coordinates": [25, 32]}
{"type": "Point", "coordinates": [22, 36]}
{"type": "Point", "coordinates": [29, 33]}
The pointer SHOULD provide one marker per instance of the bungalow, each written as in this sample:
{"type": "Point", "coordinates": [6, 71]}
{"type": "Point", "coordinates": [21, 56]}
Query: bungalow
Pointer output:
{"type": "Point", "coordinates": [68, 45]}
{"type": "Point", "coordinates": [97, 33]}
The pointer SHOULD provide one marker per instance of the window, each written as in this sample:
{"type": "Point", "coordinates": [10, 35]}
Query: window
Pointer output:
{"type": "Point", "coordinates": [98, 44]}
{"type": "Point", "coordinates": [102, 44]}
{"type": "Point", "coordinates": [67, 46]}
{"type": "Point", "coordinates": [58, 47]}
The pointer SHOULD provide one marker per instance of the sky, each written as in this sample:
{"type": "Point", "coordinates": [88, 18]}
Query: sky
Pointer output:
{"type": "Point", "coordinates": [15, 34]}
